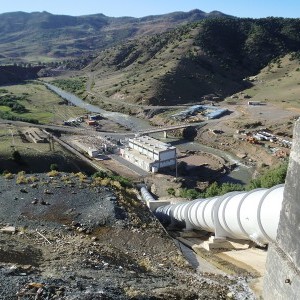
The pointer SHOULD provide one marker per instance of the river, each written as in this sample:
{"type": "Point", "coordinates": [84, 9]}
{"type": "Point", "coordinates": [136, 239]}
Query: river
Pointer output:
{"type": "Point", "coordinates": [131, 122]}
{"type": "Point", "coordinates": [241, 174]}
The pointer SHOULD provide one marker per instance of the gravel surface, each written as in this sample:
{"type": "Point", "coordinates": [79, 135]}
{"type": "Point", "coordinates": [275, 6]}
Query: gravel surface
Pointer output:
{"type": "Point", "coordinates": [72, 239]}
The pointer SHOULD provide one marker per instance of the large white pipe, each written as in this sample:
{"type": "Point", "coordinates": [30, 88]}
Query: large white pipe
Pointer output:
{"type": "Point", "coordinates": [250, 215]}
{"type": "Point", "coordinates": [146, 195]}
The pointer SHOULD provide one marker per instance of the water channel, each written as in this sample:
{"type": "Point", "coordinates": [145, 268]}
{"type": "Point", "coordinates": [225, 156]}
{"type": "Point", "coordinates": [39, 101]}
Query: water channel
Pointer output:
{"type": "Point", "coordinates": [241, 174]}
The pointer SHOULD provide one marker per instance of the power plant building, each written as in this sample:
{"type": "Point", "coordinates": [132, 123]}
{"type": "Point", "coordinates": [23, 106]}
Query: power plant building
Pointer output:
{"type": "Point", "coordinates": [149, 154]}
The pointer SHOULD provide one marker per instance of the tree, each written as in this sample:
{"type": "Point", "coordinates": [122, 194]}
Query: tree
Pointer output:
{"type": "Point", "coordinates": [54, 167]}
{"type": "Point", "coordinates": [16, 156]}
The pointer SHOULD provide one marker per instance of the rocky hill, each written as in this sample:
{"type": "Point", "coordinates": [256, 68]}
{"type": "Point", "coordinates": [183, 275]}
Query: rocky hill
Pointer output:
{"type": "Point", "coordinates": [41, 36]}
{"type": "Point", "coordinates": [212, 56]}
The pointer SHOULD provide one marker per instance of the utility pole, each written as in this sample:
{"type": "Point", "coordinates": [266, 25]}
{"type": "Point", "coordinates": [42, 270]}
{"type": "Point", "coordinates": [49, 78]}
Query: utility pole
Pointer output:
{"type": "Point", "coordinates": [176, 163]}
{"type": "Point", "coordinates": [52, 143]}
{"type": "Point", "coordinates": [49, 138]}
{"type": "Point", "coordinates": [13, 138]}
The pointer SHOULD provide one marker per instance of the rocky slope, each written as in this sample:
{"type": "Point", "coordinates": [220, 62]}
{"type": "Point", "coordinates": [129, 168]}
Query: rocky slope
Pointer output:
{"type": "Point", "coordinates": [73, 238]}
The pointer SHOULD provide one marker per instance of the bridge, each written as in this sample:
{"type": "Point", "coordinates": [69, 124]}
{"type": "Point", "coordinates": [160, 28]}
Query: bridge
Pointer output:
{"type": "Point", "coordinates": [165, 129]}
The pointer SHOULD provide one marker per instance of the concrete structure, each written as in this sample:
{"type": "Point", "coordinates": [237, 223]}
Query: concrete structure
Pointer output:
{"type": "Point", "coordinates": [256, 103]}
{"type": "Point", "coordinates": [36, 135]}
{"type": "Point", "coordinates": [236, 215]}
{"type": "Point", "coordinates": [282, 279]}
{"type": "Point", "coordinates": [91, 150]}
{"type": "Point", "coordinates": [149, 154]}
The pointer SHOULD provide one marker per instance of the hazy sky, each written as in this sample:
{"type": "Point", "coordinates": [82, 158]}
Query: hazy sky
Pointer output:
{"type": "Point", "coordinates": [140, 8]}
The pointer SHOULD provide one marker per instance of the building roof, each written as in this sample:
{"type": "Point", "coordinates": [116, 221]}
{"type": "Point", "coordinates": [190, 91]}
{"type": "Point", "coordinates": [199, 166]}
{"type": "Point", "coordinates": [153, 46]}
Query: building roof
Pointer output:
{"type": "Point", "coordinates": [152, 144]}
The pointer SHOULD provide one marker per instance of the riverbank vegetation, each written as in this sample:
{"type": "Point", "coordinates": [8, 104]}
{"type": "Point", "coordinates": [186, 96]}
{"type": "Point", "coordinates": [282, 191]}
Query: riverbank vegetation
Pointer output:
{"type": "Point", "coordinates": [72, 85]}
{"type": "Point", "coordinates": [268, 179]}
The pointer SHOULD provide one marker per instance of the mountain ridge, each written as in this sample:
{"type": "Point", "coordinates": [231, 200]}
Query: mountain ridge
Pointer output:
{"type": "Point", "coordinates": [64, 37]}
{"type": "Point", "coordinates": [183, 65]}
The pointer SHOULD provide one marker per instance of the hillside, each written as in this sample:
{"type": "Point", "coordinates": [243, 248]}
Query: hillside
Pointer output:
{"type": "Point", "coordinates": [278, 82]}
{"type": "Point", "coordinates": [41, 36]}
{"type": "Point", "coordinates": [15, 74]}
{"type": "Point", "coordinates": [183, 65]}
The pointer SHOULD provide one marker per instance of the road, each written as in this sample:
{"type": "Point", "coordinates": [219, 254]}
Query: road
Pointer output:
{"type": "Point", "coordinates": [83, 131]}
{"type": "Point", "coordinates": [92, 132]}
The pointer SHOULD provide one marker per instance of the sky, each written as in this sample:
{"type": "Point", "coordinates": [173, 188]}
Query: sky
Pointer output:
{"type": "Point", "coordinates": [141, 8]}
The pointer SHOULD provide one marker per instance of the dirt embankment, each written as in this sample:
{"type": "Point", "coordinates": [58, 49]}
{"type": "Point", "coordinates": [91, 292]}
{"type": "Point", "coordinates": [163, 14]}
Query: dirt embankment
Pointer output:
{"type": "Point", "coordinates": [71, 238]}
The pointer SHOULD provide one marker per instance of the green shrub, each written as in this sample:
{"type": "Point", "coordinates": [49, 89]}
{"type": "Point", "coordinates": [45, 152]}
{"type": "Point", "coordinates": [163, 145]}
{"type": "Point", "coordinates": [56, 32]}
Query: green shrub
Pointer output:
{"type": "Point", "coordinates": [171, 191]}
{"type": "Point", "coordinates": [124, 182]}
{"type": "Point", "coordinates": [53, 173]}
{"type": "Point", "coordinates": [100, 174]}
{"type": "Point", "coordinates": [74, 85]}
{"type": "Point", "coordinates": [270, 178]}
{"type": "Point", "coordinates": [189, 193]}
{"type": "Point", "coordinates": [8, 175]}
{"type": "Point", "coordinates": [54, 167]}
{"type": "Point", "coordinates": [16, 156]}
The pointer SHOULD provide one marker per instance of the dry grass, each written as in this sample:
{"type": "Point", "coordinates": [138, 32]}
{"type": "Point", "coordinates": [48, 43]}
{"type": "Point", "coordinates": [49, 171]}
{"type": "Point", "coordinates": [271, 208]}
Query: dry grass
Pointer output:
{"type": "Point", "coordinates": [131, 292]}
{"type": "Point", "coordinates": [53, 173]}
{"type": "Point", "coordinates": [278, 83]}
{"type": "Point", "coordinates": [9, 176]}
{"type": "Point", "coordinates": [23, 179]}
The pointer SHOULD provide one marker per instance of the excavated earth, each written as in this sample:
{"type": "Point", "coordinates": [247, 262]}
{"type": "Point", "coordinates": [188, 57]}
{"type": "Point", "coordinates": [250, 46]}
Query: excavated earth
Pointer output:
{"type": "Point", "coordinates": [68, 238]}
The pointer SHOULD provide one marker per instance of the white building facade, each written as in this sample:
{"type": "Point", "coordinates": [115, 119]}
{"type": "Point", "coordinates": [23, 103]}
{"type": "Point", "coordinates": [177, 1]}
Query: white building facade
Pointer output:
{"type": "Point", "coordinates": [149, 154]}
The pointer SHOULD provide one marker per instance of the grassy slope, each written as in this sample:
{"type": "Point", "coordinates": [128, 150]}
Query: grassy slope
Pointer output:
{"type": "Point", "coordinates": [42, 104]}
{"type": "Point", "coordinates": [279, 82]}
{"type": "Point", "coordinates": [156, 70]}
{"type": "Point", "coordinates": [35, 157]}
{"type": "Point", "coordinates": [135, 71]}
